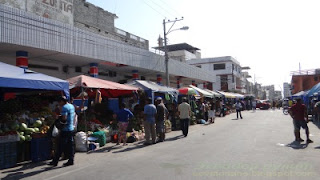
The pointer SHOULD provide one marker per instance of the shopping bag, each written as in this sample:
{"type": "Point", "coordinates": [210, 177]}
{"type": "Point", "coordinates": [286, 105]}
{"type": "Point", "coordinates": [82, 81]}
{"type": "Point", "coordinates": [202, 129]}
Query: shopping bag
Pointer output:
{"type": "Point", "coordinates": [55, 131]}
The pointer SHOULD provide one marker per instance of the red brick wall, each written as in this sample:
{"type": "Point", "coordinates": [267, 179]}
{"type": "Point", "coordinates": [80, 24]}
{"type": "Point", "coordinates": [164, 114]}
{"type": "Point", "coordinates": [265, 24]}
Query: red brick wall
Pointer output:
{"type": "Point", "coordinates": [304, 82]}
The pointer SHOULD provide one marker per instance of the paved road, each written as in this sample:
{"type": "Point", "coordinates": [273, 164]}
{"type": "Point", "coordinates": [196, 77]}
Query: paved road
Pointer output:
{"type": "Point", "coordinates": [260, 146]}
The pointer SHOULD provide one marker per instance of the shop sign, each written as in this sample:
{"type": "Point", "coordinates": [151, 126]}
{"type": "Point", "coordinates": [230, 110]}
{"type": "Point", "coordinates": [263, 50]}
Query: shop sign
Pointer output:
{"type": "Point", "coordinates": [60, 10]}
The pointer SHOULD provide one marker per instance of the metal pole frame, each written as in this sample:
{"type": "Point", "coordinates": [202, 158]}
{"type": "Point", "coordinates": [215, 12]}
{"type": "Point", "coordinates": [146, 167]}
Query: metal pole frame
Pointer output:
{"type": "Point", "coordinates": [165, 33]}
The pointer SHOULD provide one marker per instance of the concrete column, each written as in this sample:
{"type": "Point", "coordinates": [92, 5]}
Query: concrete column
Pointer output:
{"type": "Point", "coordinates": [135, 74]}
{"type": "Point", "coordinates": [159, 79]}
{"type": "Point", "coordinates": [22, 59]}
{"type": "Point", "coordinates": [178, 82]}
{"type": "Point", "coordinates": [94, 70]}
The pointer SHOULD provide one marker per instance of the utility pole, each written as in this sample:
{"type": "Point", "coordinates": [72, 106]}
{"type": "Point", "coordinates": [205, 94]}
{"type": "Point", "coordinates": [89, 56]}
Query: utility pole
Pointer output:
{"type": "Point", "coordinates": [165, 33]}
{"type": "Point", "coordinates": [166, 53]}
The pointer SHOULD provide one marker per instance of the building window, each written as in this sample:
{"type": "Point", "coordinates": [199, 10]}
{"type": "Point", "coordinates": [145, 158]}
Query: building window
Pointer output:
{"type": "Point", "coordinates": [198, 66]}
{"type": "Point", "coordinates": [219, 66]}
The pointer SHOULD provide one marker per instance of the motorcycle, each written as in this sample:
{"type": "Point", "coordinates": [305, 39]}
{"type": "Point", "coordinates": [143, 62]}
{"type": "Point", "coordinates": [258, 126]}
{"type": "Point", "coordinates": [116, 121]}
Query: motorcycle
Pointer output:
{"type": "Point", "coordinates": [285, 110]}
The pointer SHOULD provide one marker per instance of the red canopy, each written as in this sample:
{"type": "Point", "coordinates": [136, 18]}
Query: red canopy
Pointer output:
{"type": "Point", "coordinates": [107, 88]}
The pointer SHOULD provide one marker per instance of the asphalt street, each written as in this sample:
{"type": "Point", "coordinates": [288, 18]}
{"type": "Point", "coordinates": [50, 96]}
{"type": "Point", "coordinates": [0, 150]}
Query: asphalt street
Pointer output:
{"type": "Point", "coordinates": [259, 146]}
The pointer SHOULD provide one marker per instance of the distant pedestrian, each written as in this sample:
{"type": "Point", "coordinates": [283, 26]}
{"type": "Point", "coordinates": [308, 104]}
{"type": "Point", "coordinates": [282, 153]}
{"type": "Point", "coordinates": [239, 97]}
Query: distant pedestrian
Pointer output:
{"type": "Point", "coordinates": [162, 114]}
{"type": "Point", "coordinates": [212, 112]}
{"type": "Point", "coordinates": [238, 106]}
{"type": "Point", "coordinates": [150, 112]}
{"type": "Point", "coordinates": [300, 118]}
{"type": "Point", "coordinates": [184, 110]}
{"type": "Point", "coordinates": [254, 105]}
{"type": "Point", "coordinates": [123, 117]}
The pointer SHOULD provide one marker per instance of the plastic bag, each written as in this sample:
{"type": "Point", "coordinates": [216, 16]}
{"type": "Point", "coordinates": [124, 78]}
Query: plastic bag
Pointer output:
{"type": "Point", "coordinates": [55, 131]}
{"type": "Point", "coordinates": [80, 141]}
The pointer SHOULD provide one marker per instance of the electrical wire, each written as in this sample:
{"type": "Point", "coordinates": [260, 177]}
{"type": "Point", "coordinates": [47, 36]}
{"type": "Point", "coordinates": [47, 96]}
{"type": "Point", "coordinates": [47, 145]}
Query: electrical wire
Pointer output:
{"type": "Point", "coordinates": [153, 8]}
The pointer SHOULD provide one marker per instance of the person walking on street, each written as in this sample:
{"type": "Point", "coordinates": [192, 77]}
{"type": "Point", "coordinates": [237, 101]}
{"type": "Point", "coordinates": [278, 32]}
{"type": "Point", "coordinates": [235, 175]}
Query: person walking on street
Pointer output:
{"type": "Point", "coordinates": [66, 135]}
{"type": "Point", "coordinates": [299, 115]}
{"type": "Point", "coordinates": [162, 113]}
{"type": "Point", "coordinates": [254, 105]}
{"type": "Point", "coordinates": [184, 110]}
{"type": "Point", "coordinates": [150, 112]}
{"type": "Point", "coordinates": [212, 112]}
{"type": "Point", "coordinates": [123, 117]}
{"type": "Point", "coordinates": [238, 108]}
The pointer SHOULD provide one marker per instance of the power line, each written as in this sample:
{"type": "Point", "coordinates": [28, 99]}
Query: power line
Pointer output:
{"type": "Point", "coordinates": [162, 7]}
{"type": "Point", "coordinates": [154, 9]}
{"type": "Point", "coordinates": [170, 7]}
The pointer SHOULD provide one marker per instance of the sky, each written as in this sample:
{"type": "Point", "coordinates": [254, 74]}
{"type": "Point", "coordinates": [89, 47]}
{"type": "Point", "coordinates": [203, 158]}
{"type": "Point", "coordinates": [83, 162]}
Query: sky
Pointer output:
{"type": "Point", "coordinates": [270, 36]}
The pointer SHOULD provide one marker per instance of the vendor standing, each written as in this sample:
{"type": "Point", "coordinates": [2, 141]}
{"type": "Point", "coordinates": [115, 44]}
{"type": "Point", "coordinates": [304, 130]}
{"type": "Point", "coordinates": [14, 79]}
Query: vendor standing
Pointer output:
{"type": "Point", "coordinates": [66, 133]}
{"type": "Point", "coordinates": [150, 112]}
{"type": "Point", "coordinates": [123, 117]}
{"type": "Point", "coordinates": [162, 113]}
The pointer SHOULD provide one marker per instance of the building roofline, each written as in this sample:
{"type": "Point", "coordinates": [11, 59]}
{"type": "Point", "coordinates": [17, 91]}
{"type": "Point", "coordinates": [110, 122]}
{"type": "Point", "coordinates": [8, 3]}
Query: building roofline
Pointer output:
{"type": "Point", "coordinates": [212, 60]}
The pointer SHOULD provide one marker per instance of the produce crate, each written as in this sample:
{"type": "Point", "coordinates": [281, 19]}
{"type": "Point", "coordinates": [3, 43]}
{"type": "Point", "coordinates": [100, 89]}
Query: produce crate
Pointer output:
{"type": "Point", "coordinates": [8, 155]}
{"type": "Point", "coordinates": [40, 149]}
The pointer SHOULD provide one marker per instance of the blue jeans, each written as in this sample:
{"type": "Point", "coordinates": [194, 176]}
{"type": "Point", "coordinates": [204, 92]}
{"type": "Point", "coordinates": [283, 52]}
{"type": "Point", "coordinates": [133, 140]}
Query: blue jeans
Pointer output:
{"type": "Point", "coordinates": [65, 146]}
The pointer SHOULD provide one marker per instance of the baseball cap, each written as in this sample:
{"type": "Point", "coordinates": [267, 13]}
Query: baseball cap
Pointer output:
{"type": "Point", "coordinates": [159, 98]}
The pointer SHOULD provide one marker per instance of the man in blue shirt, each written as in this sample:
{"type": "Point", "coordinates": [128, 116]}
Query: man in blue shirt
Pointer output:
{"type": "Point", "coordinates": [150, 112]}
{"type": "Point", "coordinates": [66, 133]}
{"type": "Point", "coordinates": [123, 117]}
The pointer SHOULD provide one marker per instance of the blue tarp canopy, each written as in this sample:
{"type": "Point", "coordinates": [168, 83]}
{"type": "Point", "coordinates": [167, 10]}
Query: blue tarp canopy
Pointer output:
{"type": "Point", "coordinates": [151, 87]}
{"type": "Point", "coordinates": [299, 94]}
{"type": "Point", "coordinates": [313, 90]}
{"type": "Point", "coordinates": [18, 79]}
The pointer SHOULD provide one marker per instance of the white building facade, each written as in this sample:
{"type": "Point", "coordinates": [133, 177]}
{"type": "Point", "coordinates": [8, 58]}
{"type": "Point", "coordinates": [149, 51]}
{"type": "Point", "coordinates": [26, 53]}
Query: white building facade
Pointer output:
{"type": "Point", "coordinates": [286, 90]}
{"type": "Point", "coordinates": [227, 72]}
{"type": "Point", "coordinates": [66, 46]}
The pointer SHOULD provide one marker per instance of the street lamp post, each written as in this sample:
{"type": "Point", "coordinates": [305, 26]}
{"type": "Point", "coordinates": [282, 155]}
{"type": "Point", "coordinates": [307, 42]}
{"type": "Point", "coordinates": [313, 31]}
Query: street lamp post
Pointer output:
{"type": "Point", "coordinates": [165, 33]}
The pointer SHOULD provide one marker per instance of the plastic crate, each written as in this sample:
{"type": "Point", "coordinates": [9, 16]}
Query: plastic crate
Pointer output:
{"type": "Point", "coordinates": [40, 149]}
{"type": "Point", "coordinates": [8, 155]}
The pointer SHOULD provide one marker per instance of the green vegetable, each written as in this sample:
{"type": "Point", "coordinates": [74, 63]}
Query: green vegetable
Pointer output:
{"type": "Point", "coordinates": [22, 138]}
{"type": "Point", "coordinates": [28, 138]}
{"type": "Point", "coordinates": [36, 129]}
{"type": "Point", "coordinates": [37, 124]}
{"type": "Point", "coordinates": [29, 131]}
{"type": "Point", "coordinates": [23, 127]}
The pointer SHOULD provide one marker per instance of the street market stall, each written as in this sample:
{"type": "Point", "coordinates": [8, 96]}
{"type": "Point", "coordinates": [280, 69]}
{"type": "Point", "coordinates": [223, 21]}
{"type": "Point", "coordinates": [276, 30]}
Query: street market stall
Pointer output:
{"type": "Point", "coordinates": [103, 102]}
{"type": "Point", "coordinates": [153, 90]}
{"type": "Point", "coordinates": [25, 118]}
{"type": "Point", "coordinates": [202, 92]}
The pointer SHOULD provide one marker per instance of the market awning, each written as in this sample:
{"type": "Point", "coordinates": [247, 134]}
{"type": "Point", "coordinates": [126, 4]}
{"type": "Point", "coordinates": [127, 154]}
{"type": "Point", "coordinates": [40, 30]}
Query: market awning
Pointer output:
{"type": "Point", "coordinates": [202, 92]}
{"type": "Point", "coordinates": [227, 94]}
{"type": "Point", "coordinates": [149, 85]}
{"type": "Point", "coordinates": [187, 91]}
{"type": "Point", "coordinates": [107, 88]}
{"type": "Point", "coordinates": [238, 95]}
{"type": "Point", "coordinates": [301, 93]}
{"type": "Point", "coordinates": [214, 93]}
{"type": "Point", "coordinates": [315, 89]}
{"type": "Point", "coordinates": [19, 79]}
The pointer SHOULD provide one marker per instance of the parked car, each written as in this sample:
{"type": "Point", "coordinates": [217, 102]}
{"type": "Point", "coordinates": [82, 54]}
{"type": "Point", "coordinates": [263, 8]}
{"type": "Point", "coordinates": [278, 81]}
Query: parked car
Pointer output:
{"type": "Point", "coordinates": [263, 104]}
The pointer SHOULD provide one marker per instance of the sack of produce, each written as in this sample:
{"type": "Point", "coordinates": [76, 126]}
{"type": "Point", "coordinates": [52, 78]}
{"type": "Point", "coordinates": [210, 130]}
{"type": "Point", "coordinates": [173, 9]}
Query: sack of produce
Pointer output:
{"type": "Point", "coordinates": [80, 141]}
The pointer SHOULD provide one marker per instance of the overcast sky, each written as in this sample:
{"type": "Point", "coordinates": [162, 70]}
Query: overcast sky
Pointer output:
{"type": "Point", "coordinates": [270, 36]}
